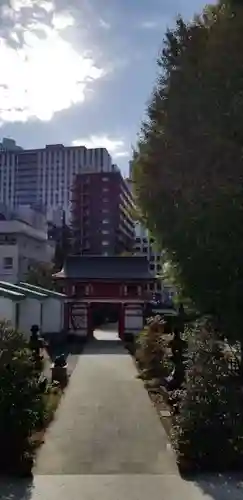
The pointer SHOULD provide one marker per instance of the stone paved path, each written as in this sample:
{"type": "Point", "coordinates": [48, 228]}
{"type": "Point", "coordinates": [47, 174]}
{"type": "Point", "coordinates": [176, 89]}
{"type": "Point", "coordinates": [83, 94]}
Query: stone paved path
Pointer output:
{"type": "Point", "coordinates": [106, 423]}
{"type": "Point", "coordinates": [122, 487]}
{"type": "Point", "coordinates": [107, 442]}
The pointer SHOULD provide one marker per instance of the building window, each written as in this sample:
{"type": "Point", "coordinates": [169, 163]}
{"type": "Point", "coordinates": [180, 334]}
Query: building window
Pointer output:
{"type": "Point", "coordinates": [132, 290]}
{"type": "Point", "coordinates": [152, 267]}
{"type": "Point", "coordinates": [80, 290]}
{"type": "Point", "coordinates": [8, 262]}
{"type": "Point", "coordinates": [7, 239]}
{"type": "Point", "coordinates": [105, 221]}
{"type": "Point", "coordinates": [105, 179]}
{"type": "Point", "coordinates": [105, 231]}
{"type": "Point", "coordinates": [105, 243]}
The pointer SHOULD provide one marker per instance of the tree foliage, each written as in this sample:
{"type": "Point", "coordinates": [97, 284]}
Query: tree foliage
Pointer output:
{"type": "Point", "coordinates": [21, 404]}
{"type": "Point", "coordinates": [42, 275]}
{"type": "Point", "coordinates": [188, 166]}
{"type": "Point", "coordinates": [63, 247]}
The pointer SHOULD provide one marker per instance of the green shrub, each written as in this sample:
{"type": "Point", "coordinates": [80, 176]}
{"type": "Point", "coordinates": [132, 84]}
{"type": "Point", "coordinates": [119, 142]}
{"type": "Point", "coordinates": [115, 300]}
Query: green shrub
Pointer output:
{"type": "Point", "coordinates": [151, 350]}
{"type": "Point", "coordinates": [21, 404]}
{"type": "Point", "coordinates": [208, 431]}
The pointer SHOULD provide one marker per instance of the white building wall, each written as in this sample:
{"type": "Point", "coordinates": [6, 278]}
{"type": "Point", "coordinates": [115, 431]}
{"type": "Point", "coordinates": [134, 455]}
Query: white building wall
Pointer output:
{"type": "Point", "coordinates": [9, 263]}
{"type": "Point", "coordinates": [133, 318]}
{"type": "Point", "coordinates": [21, 246]}
{"type": "Point", "coordinates": [53, 315]}
{"type": "Point", "coordinates": [7, 310]}
{"type": "Point", "coordinates": [30, 313]}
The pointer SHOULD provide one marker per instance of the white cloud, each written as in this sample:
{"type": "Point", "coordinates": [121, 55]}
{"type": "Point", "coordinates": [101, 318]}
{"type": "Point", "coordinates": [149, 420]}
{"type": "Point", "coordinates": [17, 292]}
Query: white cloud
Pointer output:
{"type": "Point", "coordinates": [149, 25]}
{"type": "Point", "coordinates": [47, 5]}
{"type": "Point", "coordinates": [104, 24]}
{"type": "Point", "coordinates": [18, 5]}
{"type": "Point", "coordinates": [44, 74]}
{"type": "Point", "coordinates": [62, 21]}
{"type": "Point", "coordinates": [122, 154]}
{"type": "Point", "coordinates": [116, 147]}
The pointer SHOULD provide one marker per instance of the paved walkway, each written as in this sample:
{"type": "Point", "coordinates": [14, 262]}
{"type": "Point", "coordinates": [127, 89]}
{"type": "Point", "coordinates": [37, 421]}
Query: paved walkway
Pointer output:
{"type": "Point", "coordinates": [122, 487]}
{"type": "Point", "coordinates": [106, 423]}
{"type": "Point", "coordinates": [107, 443]}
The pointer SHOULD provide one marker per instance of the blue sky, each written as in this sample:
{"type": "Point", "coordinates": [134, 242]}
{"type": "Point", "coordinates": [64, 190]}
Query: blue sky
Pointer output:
{"type": "Point", "coordinates": [81, 74]}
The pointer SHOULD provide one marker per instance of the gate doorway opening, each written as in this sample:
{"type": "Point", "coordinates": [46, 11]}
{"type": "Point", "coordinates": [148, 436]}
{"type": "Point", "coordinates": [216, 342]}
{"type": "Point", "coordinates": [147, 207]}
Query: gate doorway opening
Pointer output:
{"type": "Point", "coordinates": [106, 320]}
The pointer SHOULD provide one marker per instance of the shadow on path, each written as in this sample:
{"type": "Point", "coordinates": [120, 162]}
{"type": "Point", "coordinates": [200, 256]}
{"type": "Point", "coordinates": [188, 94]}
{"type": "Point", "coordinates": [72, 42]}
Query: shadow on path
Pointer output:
{"type": "Point", "coordinates": [70, 347]}
{"type": "Point", "coordinates": [95, 346]}
{"type": "Point", "coordinates": [220, 486]}
{"type": "Point", "coordinates": [15, 490]}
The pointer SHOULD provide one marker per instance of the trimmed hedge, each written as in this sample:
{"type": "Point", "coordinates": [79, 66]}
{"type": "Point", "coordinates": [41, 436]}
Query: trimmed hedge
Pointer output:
{"type": "Point", "coordinates": [208, 430]}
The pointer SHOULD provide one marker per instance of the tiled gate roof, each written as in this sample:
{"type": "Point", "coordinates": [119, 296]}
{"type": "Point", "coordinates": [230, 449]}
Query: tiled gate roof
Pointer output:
{"type": "Point", "coordinates": [106, 268]}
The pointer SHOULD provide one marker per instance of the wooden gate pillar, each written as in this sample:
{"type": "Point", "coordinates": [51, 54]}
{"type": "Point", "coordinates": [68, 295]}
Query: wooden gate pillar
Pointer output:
{"type": "Point", "coordinates": [90, 328]}
{"type": "Point", "coordinates": [121, 322]}
{"type": "Point", "coordinates": [66, 316]}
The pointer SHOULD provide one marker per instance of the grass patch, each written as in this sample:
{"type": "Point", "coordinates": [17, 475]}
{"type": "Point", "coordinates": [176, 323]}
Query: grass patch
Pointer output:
{"type": "Point", "coordinates": [51, 400]}
{"type": "Point", "coordinates": [151, 350]}
{"type": "Point", "coordinates": [159, 397]}
{"type": "Point", "coordinates": [161, 406]}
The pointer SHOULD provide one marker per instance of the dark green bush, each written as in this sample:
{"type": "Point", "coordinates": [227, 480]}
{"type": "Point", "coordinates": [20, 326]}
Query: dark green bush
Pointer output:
{"type": "Point", "coordinates": [208, 431]}
{"type": "Point", "coordinates": [21, 403]}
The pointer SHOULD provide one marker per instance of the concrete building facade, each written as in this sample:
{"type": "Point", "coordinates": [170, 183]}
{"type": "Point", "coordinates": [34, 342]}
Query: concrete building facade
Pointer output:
{"type": "Point", "coordinates": [145, 245]}
{"type": "Point", "coordinates": [43, 177]}
{"type": "Point", "coordinates": [23, 243]}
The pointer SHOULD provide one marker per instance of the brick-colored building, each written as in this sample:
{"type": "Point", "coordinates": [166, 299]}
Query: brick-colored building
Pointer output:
{"type": "Point", "coordinates": [102, 211]}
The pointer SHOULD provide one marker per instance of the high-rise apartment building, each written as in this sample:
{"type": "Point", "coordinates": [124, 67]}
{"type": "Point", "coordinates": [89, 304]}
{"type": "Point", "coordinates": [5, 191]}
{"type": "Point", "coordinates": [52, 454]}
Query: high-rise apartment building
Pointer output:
{"type": "Point", "coordinates": [145, 245]}
{"type": "Point", "coordinates": [43, 178]}
{"type": "Point", "coordinates": [102, 214]}
{"type": "Point", "coordinates": [8, 144]}
{"type": "Point", "coordinates": [8, 167]}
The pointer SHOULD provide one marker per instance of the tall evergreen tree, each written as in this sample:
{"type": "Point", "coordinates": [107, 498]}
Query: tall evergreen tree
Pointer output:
{"type": "Point", "coordinates": [188, 167]}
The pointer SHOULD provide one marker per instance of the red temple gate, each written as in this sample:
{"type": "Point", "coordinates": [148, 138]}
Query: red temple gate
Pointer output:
{"type": "Point", "coordinates": [97, 279]}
